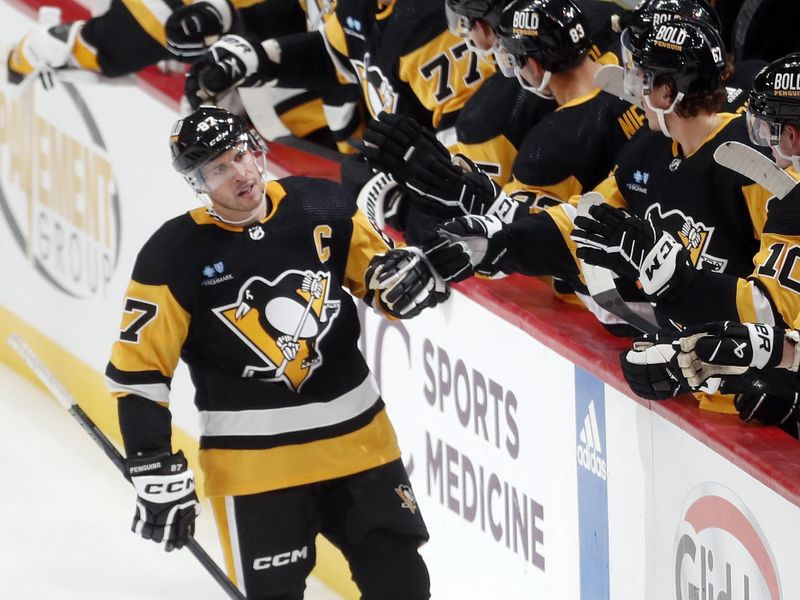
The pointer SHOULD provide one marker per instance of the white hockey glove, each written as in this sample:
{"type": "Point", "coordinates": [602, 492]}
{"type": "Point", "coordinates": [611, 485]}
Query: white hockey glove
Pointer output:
{"type": "Point", "coordinates": [166, 503]}
{"type": "Point", "coordinates": [405, 281]}
{"type": "Point", "coordinates": [728, 348]}
{"type": "Point", "coordinates": [191, 29]}
{"type": "Point", "coordinates": [481, 242]}
{"type": "Point", "coordinates": [233, 61]}
{"type": "Point", "coordinates": [44, 49]}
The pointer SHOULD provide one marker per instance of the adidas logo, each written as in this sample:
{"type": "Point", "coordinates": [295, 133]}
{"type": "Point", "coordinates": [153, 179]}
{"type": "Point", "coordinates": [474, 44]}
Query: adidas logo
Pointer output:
{"type": "Point", "coordinates": [590, 448]}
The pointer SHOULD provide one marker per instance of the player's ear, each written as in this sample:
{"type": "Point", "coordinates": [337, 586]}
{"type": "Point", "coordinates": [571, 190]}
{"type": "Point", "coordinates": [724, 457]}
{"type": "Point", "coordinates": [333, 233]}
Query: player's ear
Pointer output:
{"type": "Point", "coordinates": [664, 94]}
{"type": "Point", "coordinates": [535, 66]}
{"type": "Point", "coordinates": [792, 132]}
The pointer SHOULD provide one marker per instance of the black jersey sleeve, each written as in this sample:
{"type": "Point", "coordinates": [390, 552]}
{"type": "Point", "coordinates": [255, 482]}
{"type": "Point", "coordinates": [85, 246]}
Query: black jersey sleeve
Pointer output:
{"type": "Point", "coordinates": [536, 247]}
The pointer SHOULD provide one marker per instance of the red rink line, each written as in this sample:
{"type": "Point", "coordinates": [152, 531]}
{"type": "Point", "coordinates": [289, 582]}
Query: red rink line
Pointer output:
{"type": "Point", "coordinates": [766, 453]}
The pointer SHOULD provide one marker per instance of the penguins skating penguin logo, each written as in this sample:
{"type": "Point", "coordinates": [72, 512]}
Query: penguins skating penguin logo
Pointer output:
{"type": "Point", "coordinates": [282, 321]}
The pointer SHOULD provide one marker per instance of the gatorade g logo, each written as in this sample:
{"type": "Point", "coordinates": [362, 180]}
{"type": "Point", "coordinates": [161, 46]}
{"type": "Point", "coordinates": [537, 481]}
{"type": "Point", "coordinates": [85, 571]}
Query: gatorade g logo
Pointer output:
{"type": "Point", "coordinates": [58, 195]}
{"type": "Point", "coordinates": [282, 321]}
{"type": "Point", "coordinates": [671, 37]}
{"type": "Point", "coordinates": [526, 22]}
{"type": "Point", "coordinates": [787, 84]}
{"type": "Point", "coordinates": [720, 551]}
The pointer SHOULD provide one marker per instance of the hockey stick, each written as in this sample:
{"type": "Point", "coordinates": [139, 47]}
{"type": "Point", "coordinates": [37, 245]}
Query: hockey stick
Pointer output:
{"type": "Point", "coordinates": [600, 281]}
{"type": "Point", "coordinates": [754, 165]}
{"type": "Point", "coordinates": [609, 78]}
{"type": "Point", "coordinates": [68, 402]}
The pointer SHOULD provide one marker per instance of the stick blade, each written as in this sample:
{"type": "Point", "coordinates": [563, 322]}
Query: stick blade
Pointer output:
{"type": "Point", "coordinates": [755, 166]}
{"type": "Point", "coordinates": [609, 78]}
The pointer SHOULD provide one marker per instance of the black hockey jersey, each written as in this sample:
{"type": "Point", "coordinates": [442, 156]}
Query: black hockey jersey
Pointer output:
{"type": "Point", "coordinates": [494, 122]}
{"type": "Point", "coordinates": [571, 150]}
{"type": "Point", "coordinates": [405, 59]}
{"type": "Point", "coordinates": [716, 213]}
{"type": "Point", "coordinates": [261, 317]}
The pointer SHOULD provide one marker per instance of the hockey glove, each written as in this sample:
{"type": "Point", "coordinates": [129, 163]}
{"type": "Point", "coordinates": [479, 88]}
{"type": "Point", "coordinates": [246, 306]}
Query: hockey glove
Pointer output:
{"type": "Point", "coordinates": [767, 408]}
{"type": "Point", "coordinates": [480, 240]}
{"type": "Point", "coordinates": [633, 248]}
{"type": "Point", "coordinates": [189, 28]}
{"type": "Point", "coordinates": [412, 154]}
{"type": "Point", "coordinates": [651, 367]}
{"type": "Point", "coordinates": [166, 506]}
{"type": "Point", "coordinates": [405, 281]}
{"type": "Point", "coordinates": [233, 61]}
{"type": "Point", "coordinates": [42, 50]}
{"type": "Point", "coordinates": [728, 348]}
{"type": "Point", "coordinates": [449, 259]}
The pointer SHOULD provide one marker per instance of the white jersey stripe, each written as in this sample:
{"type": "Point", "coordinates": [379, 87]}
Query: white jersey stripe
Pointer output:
{"type": "Point", "coordinates": [294, 418]}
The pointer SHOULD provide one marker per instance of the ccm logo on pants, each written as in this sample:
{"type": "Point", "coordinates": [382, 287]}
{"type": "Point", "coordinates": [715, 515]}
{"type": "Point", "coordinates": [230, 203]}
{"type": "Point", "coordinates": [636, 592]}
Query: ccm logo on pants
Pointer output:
{"type": "Point", "coordinates": [279, 560]}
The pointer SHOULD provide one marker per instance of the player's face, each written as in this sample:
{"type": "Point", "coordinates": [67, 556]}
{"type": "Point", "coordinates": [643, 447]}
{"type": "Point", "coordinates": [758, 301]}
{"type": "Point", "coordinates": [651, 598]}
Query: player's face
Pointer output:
{"type": "Point", "coordinates": [660, 97]}
{"type": "Point", "coordinates": [532, 72]}
{"type": "Point", "coordinates": [482, 35]}
{"type": "Point", "coordinates": [234, 183]}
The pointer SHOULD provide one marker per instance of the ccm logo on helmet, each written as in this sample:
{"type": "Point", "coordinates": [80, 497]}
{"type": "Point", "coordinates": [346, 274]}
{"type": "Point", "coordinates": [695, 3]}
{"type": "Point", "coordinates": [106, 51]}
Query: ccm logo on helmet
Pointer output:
{"type": "Point", "coordinates": [526, 20]}
{"type": "Point", "coordinates": [280, 560]}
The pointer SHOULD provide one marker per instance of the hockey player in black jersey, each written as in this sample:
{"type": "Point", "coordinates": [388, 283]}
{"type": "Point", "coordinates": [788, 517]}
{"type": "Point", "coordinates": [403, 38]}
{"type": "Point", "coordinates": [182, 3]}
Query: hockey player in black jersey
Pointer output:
{"type": "Point", "coordinates": [767, 295]}
{"type": "Point", "coordinates": [569, 151]}
{"type": "Point", "coordinates": [498, 116]}
{"type": "Point", "coordinates": [672, 185]}
{"type": "Point", "coordinates": [649, 12]}
{"type": "Point", "coordinates": [250, 292]}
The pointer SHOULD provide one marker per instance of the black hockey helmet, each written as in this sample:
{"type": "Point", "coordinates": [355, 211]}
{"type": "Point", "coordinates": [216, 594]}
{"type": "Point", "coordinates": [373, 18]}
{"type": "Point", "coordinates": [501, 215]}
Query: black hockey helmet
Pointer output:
{"type": "Point", "coordinates": [690, 53]}
{"type": "Point", "coordinates": [655, 12]}
{"type": "Point", "coordinates": [554, 32]}
{"type": "Point", "coordinates": [774, 100]}
{"type": "Point", "coordinates": [205, 134]}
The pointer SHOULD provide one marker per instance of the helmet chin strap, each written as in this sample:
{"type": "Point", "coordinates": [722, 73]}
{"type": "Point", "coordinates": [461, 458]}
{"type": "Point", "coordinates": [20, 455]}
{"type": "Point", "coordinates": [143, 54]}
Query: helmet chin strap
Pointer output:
{"type": "Point", "coordinates": [662, 112]}
{"type": "Point", "coordinates": [541, 90]}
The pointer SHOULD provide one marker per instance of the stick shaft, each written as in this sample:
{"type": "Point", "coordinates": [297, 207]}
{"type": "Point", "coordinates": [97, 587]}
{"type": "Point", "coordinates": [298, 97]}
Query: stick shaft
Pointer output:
{"type": "Point", "coordinates": [62, 395]}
